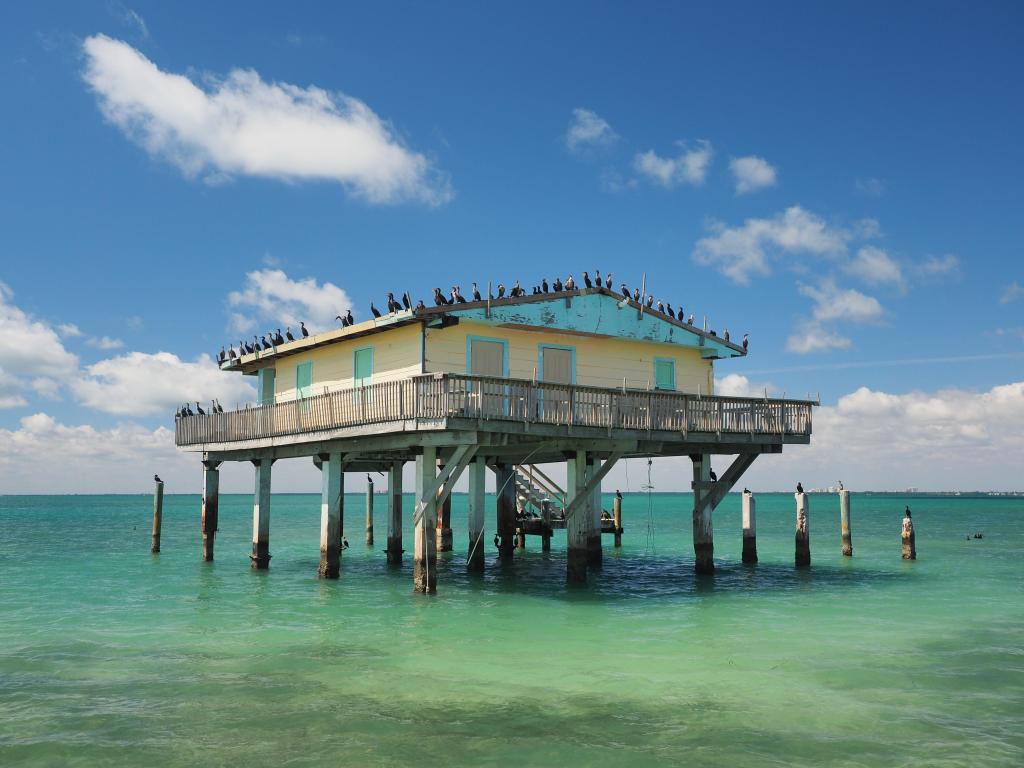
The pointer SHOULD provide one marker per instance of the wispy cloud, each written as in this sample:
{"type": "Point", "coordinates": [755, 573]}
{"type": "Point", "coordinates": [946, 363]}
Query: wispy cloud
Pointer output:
{"type": "Point", "coordinates": [876, 267]}
{"type": "Point", "coordinates": [588, 130]}
{"type": "Point", "coordinates": [105, 342]}
{"type": "Point", "coordinates": [752, 173]}
{"type": "Point", "coordinates": [1011, 293]}
{"type": "Point", "coordinates": [689, 166]}
{"type": "Point", "coordinates": [870, 186]}
{"type": "Point", "coordinates": [946, 265]}
{"type": "Point", "coordinates": [811, 336]}
{"type": "Point", "coordinates": [242, 125]}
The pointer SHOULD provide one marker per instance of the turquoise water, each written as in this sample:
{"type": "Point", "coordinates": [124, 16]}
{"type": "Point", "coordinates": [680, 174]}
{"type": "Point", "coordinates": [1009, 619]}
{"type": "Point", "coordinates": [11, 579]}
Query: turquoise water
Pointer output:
{"type": "Point", "coordinates": [112, 656]}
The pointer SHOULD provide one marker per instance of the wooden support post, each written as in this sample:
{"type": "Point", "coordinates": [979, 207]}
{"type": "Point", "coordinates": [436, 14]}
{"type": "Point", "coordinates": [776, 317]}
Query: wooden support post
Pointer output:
{"type": "Point", "coordinates": [158, 514]}
{"type": "Point", "coordinates": [395, 513]}
{"type": "Point", "coordinates": [331, 471]}
{"type": "Point", "coordinates": [617, 517]}
{"type": "Point", "coordinates": [703, 532]}
{"type": "Point", "coordinates": [521, 536]}
{"type": "Point", "coordinates": [477, 474]}
{"type": "Point", "coordinates": [505, 486]}
{"type": "Point", "coordinates": [803, 534]}
{"type": "Point", "coordinates": [444, 520]}
{"type": "Point", "coordinates": [424, 570]}
{"type": "Point", "coordinates": [211, 506]}
{"type": "Point", "coordinates": [369, 511]}
{"type": "Point", "coordinates": [260, 557]}
{"type": "Point", "coordinates": [909, 545]}
{"type": "Point", "coordinates": [844, 522]}
{"type": "Point", "coordinates": [594, 553]}
{"type": "Point", "coordinates": [749, 528]}
{"type": "Point", "coordinates": [545, 521]}
{"type": "Point", "coordinates": [577, 520]}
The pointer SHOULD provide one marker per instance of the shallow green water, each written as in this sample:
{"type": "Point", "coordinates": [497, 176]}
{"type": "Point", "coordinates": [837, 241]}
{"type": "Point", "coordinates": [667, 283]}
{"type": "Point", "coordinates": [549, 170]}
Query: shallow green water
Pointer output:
{"type": "Point", "coordinates": [111, 656]}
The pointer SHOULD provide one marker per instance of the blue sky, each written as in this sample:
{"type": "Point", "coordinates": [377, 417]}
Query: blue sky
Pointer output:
{"type": "Point", "coordinates": [842, 181]}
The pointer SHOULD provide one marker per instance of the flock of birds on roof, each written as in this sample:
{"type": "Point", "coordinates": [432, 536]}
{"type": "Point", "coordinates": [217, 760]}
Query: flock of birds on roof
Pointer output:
{"type": "Point", "coordinates": [273, 339]}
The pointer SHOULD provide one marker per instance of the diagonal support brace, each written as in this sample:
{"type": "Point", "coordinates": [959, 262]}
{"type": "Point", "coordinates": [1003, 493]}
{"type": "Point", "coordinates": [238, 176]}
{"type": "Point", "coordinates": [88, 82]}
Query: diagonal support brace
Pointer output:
{"type": "Point", "coordinates": [717, 490]}
{"type": "Point", "coordinates": [445, 481]}
{"type": "Point", "coordinates": [585, 496]}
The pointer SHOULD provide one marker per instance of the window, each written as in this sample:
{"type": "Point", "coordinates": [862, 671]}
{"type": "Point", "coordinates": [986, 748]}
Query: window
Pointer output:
{"type": "Point", "coordinates": [487, 357]}
{"type": "Point", "coordinates": [362, 367]}
{"type": "Point", "coordinates": [303, 380]}
{"type": "Point", "coordinates": [557, 364]}
{"type": "Point", "coordinates": [664, 373]}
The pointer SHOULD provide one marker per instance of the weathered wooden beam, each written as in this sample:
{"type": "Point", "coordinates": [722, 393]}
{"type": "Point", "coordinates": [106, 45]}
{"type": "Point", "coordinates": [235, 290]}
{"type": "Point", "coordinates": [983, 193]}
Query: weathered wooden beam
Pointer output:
{"type": "Point", "coordinates": [749, 528]}
{"type": "Point", "coordinates": [577, 525]}
{"type": "Point", "coordinates": [208, 520]}
{"type": "Point", "coordinates": [331, 512]}
{"type": "Point", "coordinates": [394, 552]}
{"type": "Point", "coordinates": [585, 497]}
{"type": "Point", "coordinates": [721, 487]}
{"type": "Point", "coordinates": [158, 515]}
{"type": "Point", "coordinates": [260, 557]}
{"type": "Point", "coordinates": [844, 522]}
{"type": "Point", "coordinates": [505, 509]}
{"type": "Point", "coordinates": [424, 570]}
{"type": "Point", "coordinates": [369, 511]}
{"type": "Point", "coordinates": [703, 530]}
{"type": "Point", "coordinates": [802, 555]}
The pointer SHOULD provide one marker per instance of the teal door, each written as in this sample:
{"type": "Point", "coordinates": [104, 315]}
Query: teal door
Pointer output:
{"type": "Point", "coordinates": [362, 366]}
{"type": "Point", "coordinates": [303, 380]}
{"type": "Point", "coordinates": [665, 374]}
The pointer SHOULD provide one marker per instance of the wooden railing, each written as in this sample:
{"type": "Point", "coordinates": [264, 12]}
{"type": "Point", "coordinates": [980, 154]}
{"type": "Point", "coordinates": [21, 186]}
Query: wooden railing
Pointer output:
{"type": "Point", "coordinates": [449, 395]}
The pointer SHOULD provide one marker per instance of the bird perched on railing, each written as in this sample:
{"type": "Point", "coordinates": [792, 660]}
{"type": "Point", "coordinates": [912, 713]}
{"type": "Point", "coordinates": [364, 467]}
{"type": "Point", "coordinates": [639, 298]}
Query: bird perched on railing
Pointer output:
{"type": "Point", "coordinates": [476, 293]}
{"type": "Point", "coordinates": [199, 409]}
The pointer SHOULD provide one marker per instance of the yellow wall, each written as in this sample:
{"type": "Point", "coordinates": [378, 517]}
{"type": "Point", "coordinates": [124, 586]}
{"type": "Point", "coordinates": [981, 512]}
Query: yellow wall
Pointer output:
{"type": "Point", "coordinates": [396, 355]}
{"type": "Point", "coordinates": [599, 362]}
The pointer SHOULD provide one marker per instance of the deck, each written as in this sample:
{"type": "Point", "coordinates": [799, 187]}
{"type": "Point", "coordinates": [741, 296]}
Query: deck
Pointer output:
{"type": "Point", "coordinates": [526, 410]}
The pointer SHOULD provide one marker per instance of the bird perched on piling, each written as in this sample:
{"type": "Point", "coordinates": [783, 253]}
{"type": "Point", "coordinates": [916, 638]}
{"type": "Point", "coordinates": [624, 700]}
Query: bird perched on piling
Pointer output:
{"type": "Point", "coordinates": [374, 310]}
{"type": "Point", "coordinates": [302, 327]}
{"type": "Point", "coordinates": [799, 488]}
{"type": "Point", "coordinates": [157, 478]}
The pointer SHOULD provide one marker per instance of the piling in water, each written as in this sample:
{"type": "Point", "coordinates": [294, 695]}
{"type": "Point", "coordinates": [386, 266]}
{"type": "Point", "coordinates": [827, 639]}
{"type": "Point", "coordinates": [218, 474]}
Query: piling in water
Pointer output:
{"type": "Point", "coordinates": [444, 520]}
{"type": "Point", "coordinates": [424, 565]}
{"type": "Point", "coordinates": [330, 516]}
{"type": "Point", "coordinates": [803, 536]}
{"type": "Point", "coordinates": [749, 528]}
{"type": "Point", "coordinates": [394, 553]}
{"type": "Point", "coordinates": [617, 517]}
{"type": "Point", "coordinates": [260, 557]}
{"type": "Point", "coordinates": [477, 473]}
{"type": "Point", "coordinates": [576, 524]}
{"type": "Point", "coordinates": [211, 505]}
{"type": "Point", "coordinates": [506, 511]}
{"type": "Point", "coordinates": [595, 555]}
{"type": "Point", "coordinates": [844, 521]}
{"type": "Point", "coordinates": [909, 547]}
{"type": "Point", "coordinates": [703, 532]}
{"type": "Point", "coordinates": [369, 512]}
{"type": "Point", "coordinates": [158, 514]}
{"type": "Point", "coordinates": [545, 522]}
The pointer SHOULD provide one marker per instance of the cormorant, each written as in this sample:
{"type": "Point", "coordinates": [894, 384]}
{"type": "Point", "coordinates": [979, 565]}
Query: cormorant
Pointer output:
{"type": "Point", "coordinates": [393, 306]}
{"type": "Point", "coordinates": [712, 475]}
{"type": "Point", "coordinates": [344, 543]}
{"type": "Point", "coordinates": [690, 319]}
{"type": "Point", "coordinates": [266, 344]}
{"type": "Point", "coordinates": [799, 488]}
{"type": "Point", "coordinates": [725, 334]}
{"type": "Point", "coordinates": [668, 310]}
{"type": "Point", "coordinates": [636, 294]}
{"type": "Point", "coordinates": [544, 284]}
{"type": "Point", "coordinates": [586, 280]}
{"type": "Point", "coordinates": [497, 541]}
{"type": "Point", "coordinates": [840, 485]}
{"type": "Point", "coordinates": [288, 333]}
{"type": "Point", "coordinates": [608, 280]}
{"type": "Point", "coordinates": [661, 306]}
{"type": "Point", "coordinates": [199, 409]}
{"type": "Point", "coordinates": [374, 310]}
{"type": "Point", "coordinates": [457, 294]}
{"type": "Point", "coordinates": [517, 290]}
{"type": "Point", "coordinates": [278, 338]}
{"type": "Point", "coordinates": [650, 301]}
{"type": "Point", "coordinates": [407, 300]}
{"type": "Point", "coordinates": [570, 284]}
{"type": "Point", "coordinates": [501, 290]}
{"type": "Point", "coordinates": [476, 293]}
{"type": "Point", "coordinates": [341, 320]}
{"type": "Point", "coordinates": [746, 490]}
{"type": "Point", "coordinates": [420, 305]}
{"type": "Point", "coordinates": [302, 327]}
{"type": "Point", "coordinates": [556, 286]}
{"type": "Point", "coordinates": [349, 319]}
{"type": "Point", "coordinates": [625, 290]}
{"type": "Point", "coordinates": [222, 356]}
{"type": "Point", "coordinates": [746, 341]}
{"type": "Point", "coordinates": [231, 352]}
{"type": "Point", "coordinates": [157, 478]}
{"type": "Point", "coordinates": [188, 410]}
{"type": "Point", "coordinates": [439, 298]}
{"type": "Point", "coordinates": [597, 278]}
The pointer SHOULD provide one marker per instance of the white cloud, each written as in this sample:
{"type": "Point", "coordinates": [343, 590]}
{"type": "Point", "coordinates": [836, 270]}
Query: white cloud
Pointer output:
{"type": "Point", "coordinates": [142, 384]}
{"type": "Point", "coordinates": [68, 330]}
{"type": "Point", "coordinates": [46, 387]}
{"type": "Point", "coordinates": [588, 130]}
{"type": "Point", "coordinates": [105, 342]}
{"type": "Point", "coordinates": [690, 166]}
{"type": "Point", "coordinates": [271, 297]}
{"type": "Point", "coordinates": [870, 187]}
{"type": "Point", "coordinates": [30, 347]}
{"type": "Point", "coordinates": [1012, 292]}
{"type": "Point", "coordinates": [243, 125]}
{"type": "Point", "coordinates": [939, 266]}
{"type": "Point", "coordinates": [752, 173]}
{"type": "Point", "coordinates": [814, 337]}
{"type": "Point", "coordinates": [740, 252]}
{"type": "Point", "coordinates": [832, 303]}
{"type": "Point", "coordinates": [737, 385]}
{"type": "Point", "coordinates": [876, 267]}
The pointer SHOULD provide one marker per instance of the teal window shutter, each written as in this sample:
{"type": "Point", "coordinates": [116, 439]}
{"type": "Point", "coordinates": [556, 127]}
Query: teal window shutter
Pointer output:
{"type": "Point", "coordinates": [664, 374]}
{"type": "Point", "coordinates": [304, 379]}
{"type": "Point", "coordinates": [362, 366]}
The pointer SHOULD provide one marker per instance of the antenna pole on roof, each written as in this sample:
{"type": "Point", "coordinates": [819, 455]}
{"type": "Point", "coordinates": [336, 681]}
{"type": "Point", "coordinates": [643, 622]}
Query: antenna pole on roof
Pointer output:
{"type": "Point", "coordinates": [643, 296]}
{"type": "Point", "coordinates": [487, 314]}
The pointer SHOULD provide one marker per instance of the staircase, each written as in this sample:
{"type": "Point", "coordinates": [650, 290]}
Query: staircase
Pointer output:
{"type": "Point", "coordinates": [534, 487]}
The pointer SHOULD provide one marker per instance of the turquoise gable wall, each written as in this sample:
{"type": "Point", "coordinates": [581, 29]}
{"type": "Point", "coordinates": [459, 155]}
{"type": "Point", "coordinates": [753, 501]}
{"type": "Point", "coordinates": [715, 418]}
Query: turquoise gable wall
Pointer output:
{"type": "Point", "coordinates": [595, 313]}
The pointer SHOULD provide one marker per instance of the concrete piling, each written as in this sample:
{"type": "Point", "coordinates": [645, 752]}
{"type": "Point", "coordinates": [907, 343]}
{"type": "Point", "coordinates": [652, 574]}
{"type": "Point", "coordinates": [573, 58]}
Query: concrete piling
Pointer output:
{"type": "Point", "coordinates": [909, 544]}
{"type": "Point", "coordinates": [703, 531]}
{"type": "Point", "coordinates": [545, 521]}
{"type": "Point", "coordinates": [158, 514]}
{"type": "Point", "coordinates": [369, 511]}
{"type": "Point", "coordinates": [844, 522]}
{"type": "Point", "coordinates": [617, 517]}
{"type": "Point", "coordinates": [803, 535]}
{"type": "Point", "coordinates": [211, 505]}
{"type": "Point", "coordinates": [394, 552]}
{"type": "Point", "coordinates": [577, 525]}
{"type": "Point", "coordinates": [595, 555]}
{"type": "Point", "coordinates": [506, 489]}
{"type": "Point", "coordinates": [424, 570]}
{"type": "Point", "coordinates": [260, 557]}
{"type": "Point", "coordinates": [444, 520]}
{"type": "Point", "coordinates": [330, 516]}
{"type": "Point", "coordinates": [477, 473]}
{"type": "Point", "coordinates": [749, 528]}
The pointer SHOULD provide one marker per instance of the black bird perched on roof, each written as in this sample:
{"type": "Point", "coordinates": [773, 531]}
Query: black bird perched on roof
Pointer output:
{"type": "Point", "coordinates": [650, 301]}
{"type": "Point", "coordinates": [278, 338]}
{"type": "Point", "coordinates": [231, 352]}
{"type": "Point", "coordinates": [374, 310]}
{"type": "Point", "coordinates": [420, 305]}
{"type": "Point", "coordinates": [199, 409]}
{"type": "Point", "coordinates": [712, 475]}
{"type": "Point", "coordinates": [439, 298]}
{"type": "Point", "coordinates": [220, 408]}
{"type": "Point", "coordinates": [393, 306]}
{"type": "Point", "coordinates": [501, 290]}
{"type": "Point", "coordinates": [570, 284]}
{"type": "Point", "coordinates": [725, 334]}
{"type": "Point", "coordinates": [669, 312]}
{"type": "Point", "coordinates": [476, 293]}
{"type": "Point", "coordinates": [608, 280]}
{"type": "Point", "coordinates": [636, 295]}
{"type": "Point", "coordinates": [255, 344]}
{"type": "Point", "coordinates": [661, 306]}
{"type": "Point", "coordinates": [188, 410]}
{"type": "Point", "coordinates": [690, 319]}
{"type": "Point", "coordinates": [746, 341]}
{"type": "Point", "coordinates": [625, 290]}
{"type": "Point", "coordinates": [544, 284]}
{"type": "Point", "coordinates": [302, 327]}
{"type": "Point", "coordinates": [799, 488]}
{"type": "Point", "coordinates": [457, 296]}
{"type": "Point", "coordinates": [586, 280]}
{"type": "Point", "coordinates": [349, 319]}
{"type": "Point", "coordinates": [406, 300]}
{"type": "Point", "coordinates": [157, 478]}
{"type": "Point", "coordinates": [556, 286]}
{"type": "Point", "coordinates": [222, 356]}
{"type": "Point", "coordinates": [341, 320]}
{"type": "Point", "coordinates": [265, 344]}
{"type": "Point", "coordinates": [517, 290]}
{"type": "Point", "coordinates": [597, 278]}
{"type": "Point", "coordinates": [288, 333]}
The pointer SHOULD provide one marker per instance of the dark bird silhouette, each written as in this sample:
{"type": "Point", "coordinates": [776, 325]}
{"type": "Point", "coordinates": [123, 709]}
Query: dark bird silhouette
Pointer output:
{"type": "Point", "coordinates": [713, 476]}
{"type": "Point", "coordinates": [636, 295]}
{"type": "Point", "coordinates": [725, 334]}
{"type": "Point", "coordinates": [544, 284]}
{"type": "Point", "coordinates": [597, 278]}
{"type": "Point", "coordinates": [199, 409]}
{"type": "Point", "coordinates": [570, 284]}
{"type": "Point", "coordinates": [586, 280]}
{"type": "Point", "coordinates": [556, 286]}
{"type": "Point", "coordinates": [690, 319]}
{"type": "Point", "coordinates": [501, 290]}
{"type": "Point", "coordinates": [457, 295]}
{"type": "Point", "coordinates": [157, 478]}
{"type": "Point", "coordinates": [517, 290]}
{"type": "Point", "coordinates": [661, 306]}
{"type": "Point", "coordinates": [439, 298]}
{"type": "Point", "coordinates": [341, 320]}
{"type": "Point", "coordinates": [650, 301]}
{"type": "Point", "coordinates": [265, 344]}
{"type": "Point", "coordinates": [476, 293]}
{"type": "Point", "coordinates": [746, 490]}
{"type": "Point", "coordinates": [374, 310]}
{"type": "Point", "coordinates": [302, 327]}
{"type": "Point", "coordinates": [420, 305]}
{"type": "Point", "coordinates": [222, 356]}
{"type": "Point", "coordinates": [349, 319]}
{"type": "Point", "coordinates": [406, 300]}
{"type": "Point", "coordinates": [188, 410]}
{"type": "Point", "coordinates": [799, 488]}
{"type": "Point", "coordinates": [255, 344]}
{"type": "Point", "coordinates": [278, 338]}
{"type": "Point", "coordinates": [288, 333]}
{"type": "Point", "coordinates": [220, 408]}
{"type": "Point", "coordinates": [625, 290]}
{"type": "Point", "coordinates": [746, 341]}
{"type": "Point", "coordinates": [608, 280]}
{"type": "Point", "coordinates": [669, 312]}
{"type": "Point", "coordinates": [393, 306]}
{"type": "Point", "coordinates": [231, 352]}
